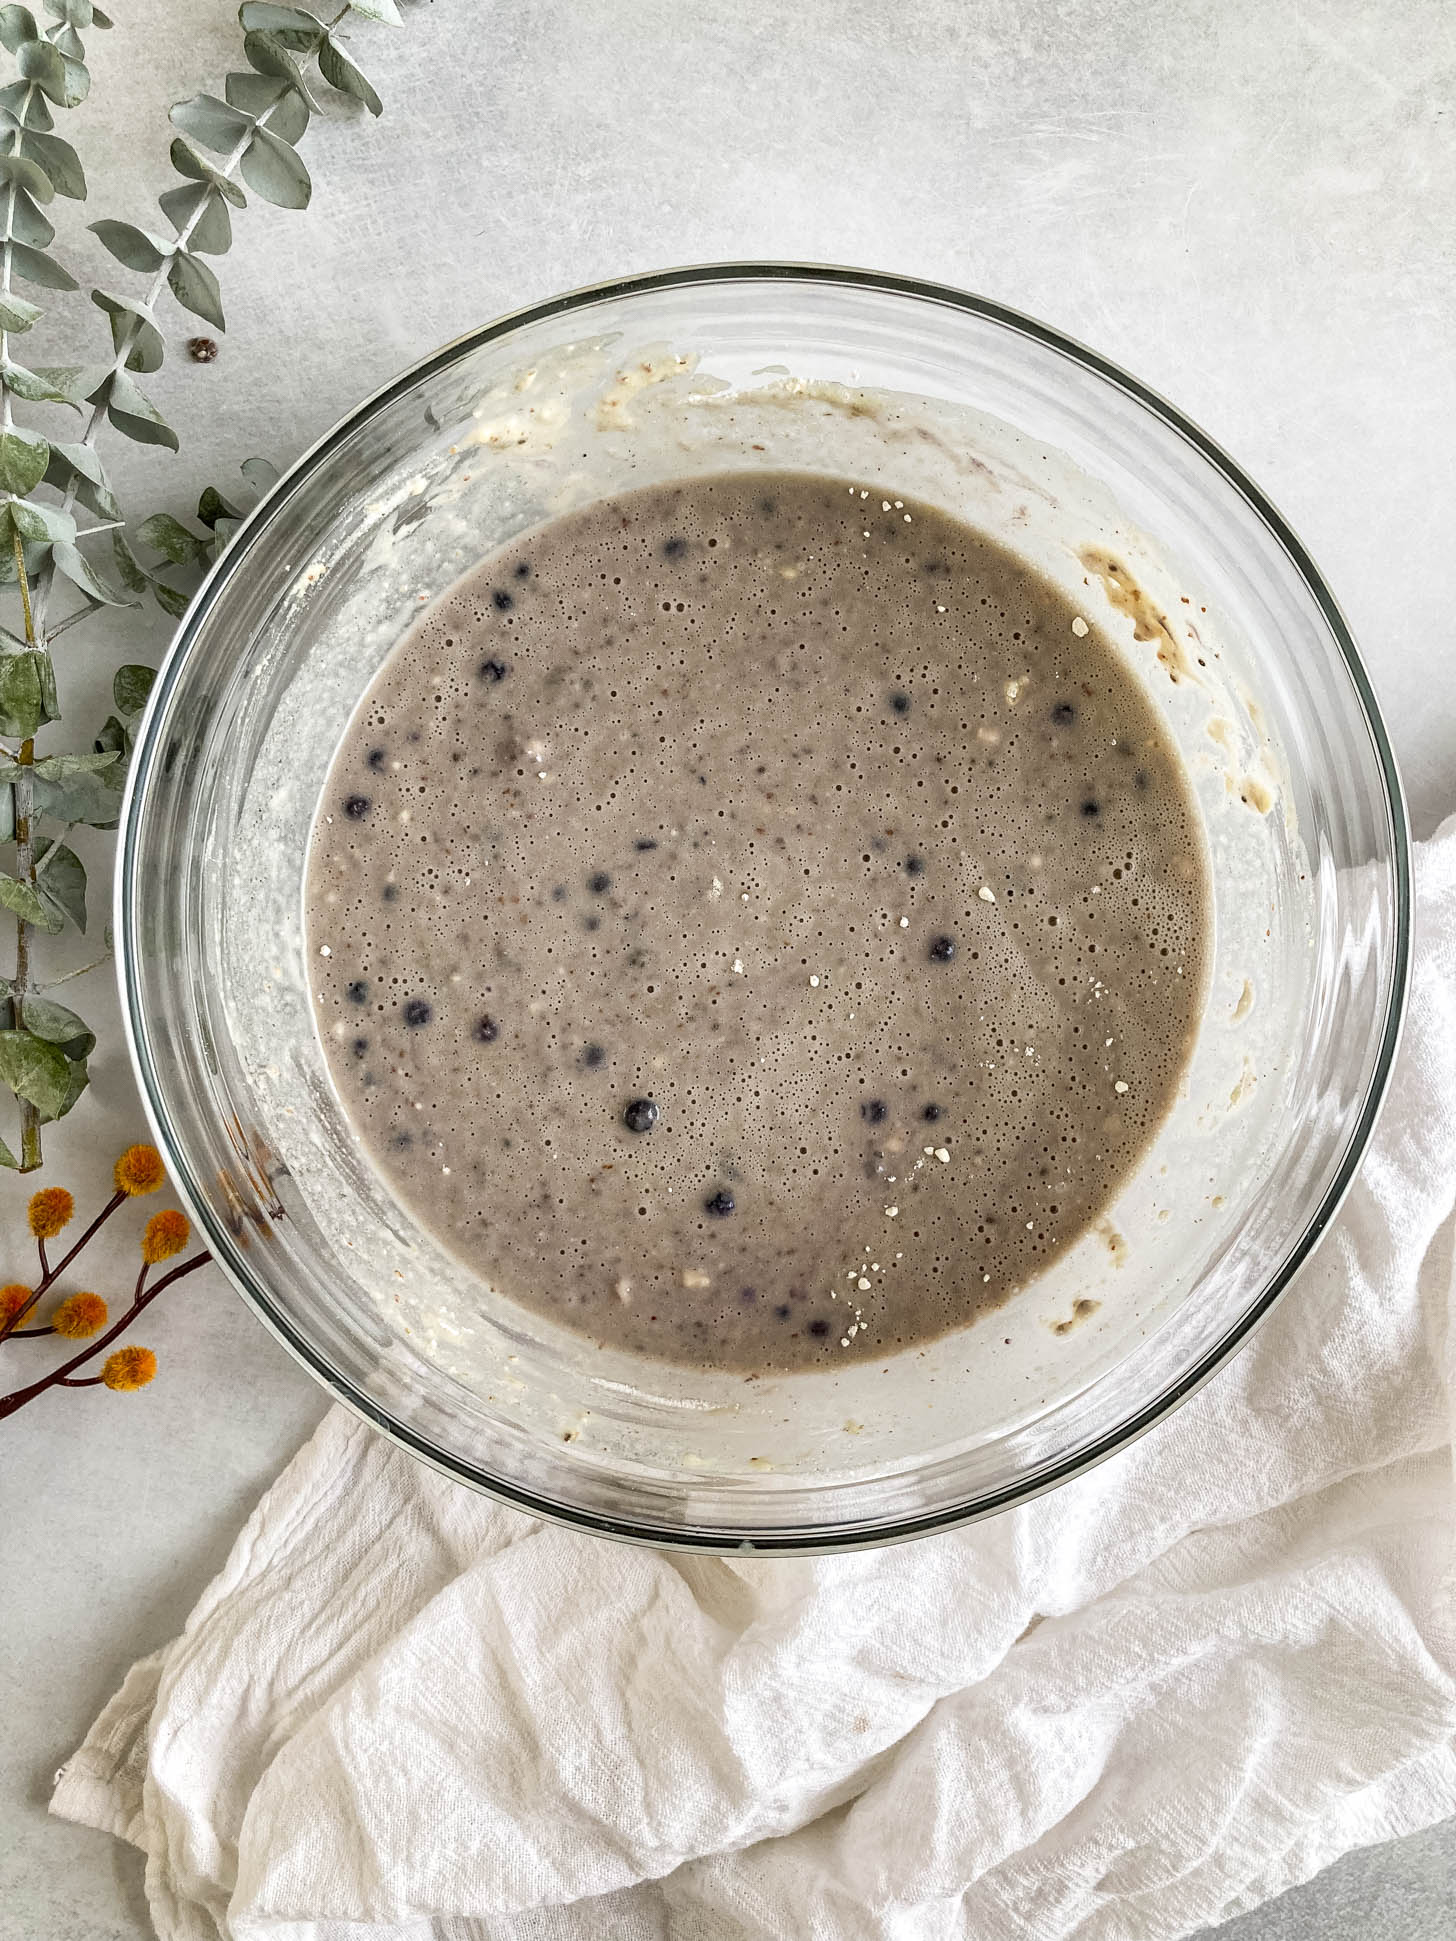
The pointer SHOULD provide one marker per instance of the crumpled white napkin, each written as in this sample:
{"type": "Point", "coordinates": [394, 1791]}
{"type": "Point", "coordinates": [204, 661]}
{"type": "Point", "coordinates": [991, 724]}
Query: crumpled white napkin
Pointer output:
{"type": "Point", "coordinates": [1141, 1704]}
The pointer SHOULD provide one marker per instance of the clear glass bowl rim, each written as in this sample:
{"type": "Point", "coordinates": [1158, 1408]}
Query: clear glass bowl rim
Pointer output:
{"type": "Point", "coordinates": [234, 1263]}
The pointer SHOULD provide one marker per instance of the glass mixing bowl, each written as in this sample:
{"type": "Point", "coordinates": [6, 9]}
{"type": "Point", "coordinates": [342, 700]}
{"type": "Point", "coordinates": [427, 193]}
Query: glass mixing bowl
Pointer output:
{"type": "Point", "coordinates": [913, 389]}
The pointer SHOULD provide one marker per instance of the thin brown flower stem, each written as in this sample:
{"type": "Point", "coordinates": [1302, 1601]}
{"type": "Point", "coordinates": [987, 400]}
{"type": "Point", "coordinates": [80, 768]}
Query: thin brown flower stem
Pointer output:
{"type": "Point", "coordinates": [9, 1329]}
{"type": "Point", "coordinates": [27, 1334]}
{"type": "Point", "coordinates": [45, 1266]}
{"type": "Point", "coordinates": [18, 1398]}
{"type": "Point", "coordinates": [116, 1200]}
{"type": "Point", "coordinates": [53, 1274]}
{"type": "Point", "coordinates": [81, 1381]}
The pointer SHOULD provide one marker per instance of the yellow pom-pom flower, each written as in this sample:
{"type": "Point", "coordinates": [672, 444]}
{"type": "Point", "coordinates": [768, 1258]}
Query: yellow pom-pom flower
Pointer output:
{"type": "Point", "coordinates": [128, 1368]}
{"type": "Point", "coordinates": [139, 1170]}
{"type": "Point", "coordinates": [50, 1210]}
{"type": "Point", "coordinates": [79, 1316]}
{"type": "Point", "coordinates": [167, 1234]}
{"type": "Point", "coordinates": [12, 1299]}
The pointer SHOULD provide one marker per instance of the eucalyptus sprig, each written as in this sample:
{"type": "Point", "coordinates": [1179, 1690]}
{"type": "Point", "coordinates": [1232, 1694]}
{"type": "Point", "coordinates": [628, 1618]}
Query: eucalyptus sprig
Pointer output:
{"type": "Point", "coordinates": [255, 128]}
{"type": "Point", "coordinates": [63, 570]}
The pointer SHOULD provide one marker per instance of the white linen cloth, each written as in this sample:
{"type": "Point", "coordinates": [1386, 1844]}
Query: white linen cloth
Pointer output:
{"type": "Point", "coordinates": [1141, 1704]}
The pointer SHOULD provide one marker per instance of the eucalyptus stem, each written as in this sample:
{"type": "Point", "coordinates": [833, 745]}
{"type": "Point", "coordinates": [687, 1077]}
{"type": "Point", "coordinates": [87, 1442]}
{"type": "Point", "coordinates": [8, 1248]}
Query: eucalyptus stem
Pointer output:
{"type": "Point", "coordinates": [81, 970]}
{"type": "Point", "coordinates": [12, 147]}
{"type": "Point", "coordinates": [24, 788]}
{"type": "Point", "coordinates": [22, 578]}
{"type": "Point", "coordinates": [127, 341]}
{"type": "Point", "coordinates": [228, 149]}
{"type": "Point", "coordinates": [127, 344]}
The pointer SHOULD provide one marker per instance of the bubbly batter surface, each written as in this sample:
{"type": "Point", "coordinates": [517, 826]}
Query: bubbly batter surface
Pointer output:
{"type": "Point", "coordinates": [756, 923]}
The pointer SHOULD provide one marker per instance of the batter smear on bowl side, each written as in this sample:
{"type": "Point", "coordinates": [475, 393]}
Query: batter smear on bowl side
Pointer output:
{"type": "Point", "coordinates": [757, 922]}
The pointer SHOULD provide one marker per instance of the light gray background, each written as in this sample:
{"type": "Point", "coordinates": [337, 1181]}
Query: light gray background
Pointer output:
{"type": "Point", "coordinates": [1248, 204]}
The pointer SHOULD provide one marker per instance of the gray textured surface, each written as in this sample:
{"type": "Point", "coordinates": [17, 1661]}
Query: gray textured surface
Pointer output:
{"type": "Point", "coordinates": [1247, 205]}
{"type": "Point", "coordinates": [1405, 1891]}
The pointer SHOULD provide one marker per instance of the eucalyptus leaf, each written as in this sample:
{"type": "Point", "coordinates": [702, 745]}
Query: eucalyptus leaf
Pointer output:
{"type": "Point", "coordinates": [171, 537]}
{"type": "Point", "coordinates": [36, 267]}
{"type": "Point", "coordinates": [273, 169]}
{"type": "Point", "coordinates": [35, 1071]}
{"type": "Point", "coordinates": [78, 469]}
{"type": "Point", "coordinates": [262, 94]}
{"type": "Point", "coordinates": [31, 386]}
{"type": "Point", "coordinates": [15, 313]}
{"type": "Point", "coordinates": [7, 1158]}
{"type": "Point", "coordinates": [37, 558]}
{"type": "Point", "coordinates": [63, 81]}
{"type": "Point", "coordinates": [212, 230]}
{"type": "Point", "coordinates": [89, 798]}
{"type": "Point", "coordinates": [20, 98]}
{"type": "Point", "coordinates": [27, 698]}
{"type": "Point", "coordinates": [340, 72]}
{"type": "Point", "coordinates": [212, 506]}
{"type": "Point", "coordinates": [30, 907]}
{"type": "Point", "coordinates": [130, 569]}
{"type": "Point", "coordinates": [131, 321]}
{"type": "Point", "coordinates": [23, 460]}
{"type": "Point", "coordinates": [80, 572]}
{"type": "Point", "coordinates": [133, 415]}
{"type": "Point", "coordinates": [69, 42]}
{"type": "Point", "coordinates": [60, 881]}
{"type": "Point", "coordinates": [196, 212]}
{"type": "Point", "coordinates": [171, 599]}
{"type": "Point", "coordinates": [214, 123]}
{"type": "Point", "coordinates": [266, 55]}
{"type": "Point", "coordinates": [79, 1078]}
{"type": "Point", "coordinates": [59, 160]}
{"type": "Point", "coordinates": [187, 161]}
{"type": "Point", "coordinates": [130, 687]}
{"type": "Point", "coordinates": [24, 222]}
{"type": "Point", "coordinates": [29, 176]}
{"type": "Point", "coordinates": [193, 283]}
{"type": "Point", "coordinates": [291, 27]}
{"type": "Point", "coordinates": [261, 474]}
{"type": "Point", "coordinates": [130, 245]}
{"type": "Point", "coordinates": [384, 10]}
{"type": "Point", "coordinates": [100, 19]}
{"type": "Point", "coordinates": [76, 13]}
{"type": "Point", "coordinates": [55, 768]}
{"type": "Point", "coordinates": [84, 459]}
{"type": "Point", "coordinates": [17, 26]}
{"type": "Point", "coordinates": [114, 738]}
{"type": "Point", "coordinates": [13, 522]}
{"type": "Point", "coordinates": [33, 520]}
{"type": "Point", "coordinates": [73, 381]}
